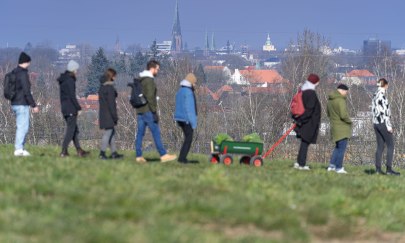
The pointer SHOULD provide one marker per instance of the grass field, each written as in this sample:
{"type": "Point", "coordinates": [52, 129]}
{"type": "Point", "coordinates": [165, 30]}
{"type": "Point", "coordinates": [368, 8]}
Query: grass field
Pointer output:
{"type": "Point", "coordinates": [47, 199]}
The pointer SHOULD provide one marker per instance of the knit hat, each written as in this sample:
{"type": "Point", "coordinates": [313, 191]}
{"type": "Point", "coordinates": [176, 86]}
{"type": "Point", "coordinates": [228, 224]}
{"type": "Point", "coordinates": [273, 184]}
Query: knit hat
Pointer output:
{"type": "Point", "coordinates": [24, 58]}
{"type": "Point", "coordinates": [313, 78]}
{"type": "Point", "coordinates": [343, 87]}
{"type": "Point", "coordinates": [191, 78]}
{"type": "Point", "coordinates": [72, 66]}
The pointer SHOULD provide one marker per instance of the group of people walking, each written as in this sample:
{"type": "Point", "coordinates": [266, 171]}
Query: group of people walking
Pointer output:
{"type": "Point", "coordinates": [185, 115]}
{"type": "Point", "coordinates": [308, 125]}
{"type": "Point", "coordinates": [147, 115]}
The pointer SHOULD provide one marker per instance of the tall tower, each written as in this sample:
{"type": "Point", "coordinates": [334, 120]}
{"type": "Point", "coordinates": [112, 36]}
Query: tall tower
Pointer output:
{"type": "Point", "coordinates": [117, 47]}
{"type": "Point", "coordinates": [177, 39]}
{"type": "Point", "coordinates": [213, 46]}
{"type": "Point", "coordinates": [206, 44]}
{"type": "Point", "coordinates": [268, 46]}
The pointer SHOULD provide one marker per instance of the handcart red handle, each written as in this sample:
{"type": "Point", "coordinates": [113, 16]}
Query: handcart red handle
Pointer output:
{"type": "Point", "coordinates": [280, 140]}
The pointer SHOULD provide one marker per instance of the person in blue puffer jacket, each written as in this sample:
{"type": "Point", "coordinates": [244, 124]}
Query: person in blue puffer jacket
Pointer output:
{"type": "Point", "coordinates": [186, 113]}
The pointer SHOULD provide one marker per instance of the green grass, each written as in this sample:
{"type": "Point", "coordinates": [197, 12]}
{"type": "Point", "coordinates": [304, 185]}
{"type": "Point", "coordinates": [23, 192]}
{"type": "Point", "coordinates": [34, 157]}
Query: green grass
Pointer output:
{"type": "Point", "coordinates": [47, 199]}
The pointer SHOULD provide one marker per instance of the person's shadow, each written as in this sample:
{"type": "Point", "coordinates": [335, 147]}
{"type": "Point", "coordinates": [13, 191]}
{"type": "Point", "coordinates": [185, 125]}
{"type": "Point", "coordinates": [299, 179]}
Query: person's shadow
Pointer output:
{"type": "Point", "coordinates": [153, 160]}
{"type": "Point", "coordinates": [370, 171]}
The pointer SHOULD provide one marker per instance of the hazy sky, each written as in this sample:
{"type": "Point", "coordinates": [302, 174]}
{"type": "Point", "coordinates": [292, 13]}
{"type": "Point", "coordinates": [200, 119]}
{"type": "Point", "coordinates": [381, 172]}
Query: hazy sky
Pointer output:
{"type": "Point", "coordinates": [99, 22]}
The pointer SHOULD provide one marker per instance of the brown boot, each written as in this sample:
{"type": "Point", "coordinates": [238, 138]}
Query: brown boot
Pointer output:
{"type": "Point", "coordinates": [81, 153]}
{"type": "Point", "coordinates": [64, 153]}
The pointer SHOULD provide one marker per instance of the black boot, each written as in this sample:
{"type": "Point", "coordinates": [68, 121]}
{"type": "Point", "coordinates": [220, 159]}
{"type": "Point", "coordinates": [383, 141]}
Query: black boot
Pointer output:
{"type": "Point", "coordinates": [64, 153]}
{"type": "Point", "coordinates": [102, 155]}
{"type": "Point", "coordinates": [379, 171]}
{"type": "Point", "coordinates": [116, 155]}
{"type": "Point", "coordinates": [392, 172]}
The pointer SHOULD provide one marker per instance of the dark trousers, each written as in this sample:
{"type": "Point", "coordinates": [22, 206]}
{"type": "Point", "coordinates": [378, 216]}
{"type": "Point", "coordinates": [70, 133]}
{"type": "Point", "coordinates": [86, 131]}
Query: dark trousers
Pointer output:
{"type": "Point", "coordinates": [302, 154]}
{"type": "Point", "coordinates": [339, 153]}
{"type": "Point", "coordinates": [72, 132]}
{"type": "Point", "coordinates": [383, 137]}
{"type": "Point", "coordinates": [188, 139]}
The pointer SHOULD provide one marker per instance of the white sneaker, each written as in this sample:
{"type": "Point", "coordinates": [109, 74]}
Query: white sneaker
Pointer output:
{"type": "Point", "coordinates": [304, 168]}
{"type": "Point", "coordinates": [21, 153]}
{"type": "Point", "coordinates": [341, 171]}
{"type": "Point", "coordinates": [298, 167]}
{"type": "Point", "coordinates": [331, 168]}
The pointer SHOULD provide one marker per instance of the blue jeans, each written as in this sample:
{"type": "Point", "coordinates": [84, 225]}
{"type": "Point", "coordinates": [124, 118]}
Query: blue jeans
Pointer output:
{"type": "Point", "coordinates": [146, 120]}
{"type": "Point", "coordinates": [339, 153]}
{"type": "Point", "coordinates": [22, 113]}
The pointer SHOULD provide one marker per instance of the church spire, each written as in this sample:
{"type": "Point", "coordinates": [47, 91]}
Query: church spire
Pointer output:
{"type": "Point", "coordinates": [177, 44]}
{"type": "Point", "coordinates": [213, 46]}
{"type": "Point", "coordinates": [206, 44]}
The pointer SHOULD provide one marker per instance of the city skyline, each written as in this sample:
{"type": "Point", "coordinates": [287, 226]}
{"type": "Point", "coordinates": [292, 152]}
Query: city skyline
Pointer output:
{"type": "Point", "coordinates": [241, 23]}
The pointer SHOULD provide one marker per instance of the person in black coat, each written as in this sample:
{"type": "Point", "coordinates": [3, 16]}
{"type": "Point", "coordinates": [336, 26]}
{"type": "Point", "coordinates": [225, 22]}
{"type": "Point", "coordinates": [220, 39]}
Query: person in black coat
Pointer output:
{"type": "Point", "coordinates": [108, 117]}
{"type": "Point", "coordinates": [70, 109]}
{"type": "Point", "coordinates": [21, 103]}
{"type": "Point", "coordinates": [308, 123]}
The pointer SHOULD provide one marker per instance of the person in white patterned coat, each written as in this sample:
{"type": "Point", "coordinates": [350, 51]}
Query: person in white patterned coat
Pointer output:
{"type": "Point", "coordinates": [383, 128]}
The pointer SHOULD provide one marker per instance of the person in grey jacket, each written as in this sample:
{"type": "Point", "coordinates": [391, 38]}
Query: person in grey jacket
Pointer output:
{"type": "Point", "coordinates": [383, 128]}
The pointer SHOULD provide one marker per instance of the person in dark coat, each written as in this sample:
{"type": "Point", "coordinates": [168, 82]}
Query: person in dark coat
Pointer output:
{"type": "Point", "coordinates": [108, 117]}
{"type": "Point", "coordinates": [70, 109]}
{"type": "Point", "coordinates": [21, 103]}
{"type": "Point", "coordinates": [186, 114]}
{"type": "Point", "coordinates": [308, 123]}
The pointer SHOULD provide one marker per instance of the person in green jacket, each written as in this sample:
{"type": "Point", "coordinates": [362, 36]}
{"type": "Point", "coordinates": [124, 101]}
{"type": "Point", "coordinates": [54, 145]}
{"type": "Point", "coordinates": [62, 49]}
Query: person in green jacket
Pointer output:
{"type": "Point", "coordinates": [147, 115]}
{"type": "Point", "coordinates": [341, 127]}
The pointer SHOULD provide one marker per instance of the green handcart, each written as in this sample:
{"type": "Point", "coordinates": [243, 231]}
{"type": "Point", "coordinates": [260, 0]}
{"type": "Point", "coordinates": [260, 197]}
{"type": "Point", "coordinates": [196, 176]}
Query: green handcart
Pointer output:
{"type": "Point", "coordinates": [250, 153]}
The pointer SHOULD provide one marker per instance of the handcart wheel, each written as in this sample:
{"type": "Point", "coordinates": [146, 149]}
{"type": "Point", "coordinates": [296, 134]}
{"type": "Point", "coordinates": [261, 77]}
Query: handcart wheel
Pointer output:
{"type": "Point", "coordinates": [244, 160]}
{"type": "Point", "coordinates": [256, 161]}
{"type": "Point", "coordinates": [214, 159]}
{"type": "Point", "coordinates": [226, 159]}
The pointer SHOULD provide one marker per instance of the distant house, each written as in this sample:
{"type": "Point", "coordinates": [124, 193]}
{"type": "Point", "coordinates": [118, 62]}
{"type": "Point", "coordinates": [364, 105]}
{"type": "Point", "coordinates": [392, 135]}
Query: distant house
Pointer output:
{"type": "Point", "coordinates": [359, 77]}
{"type": "Point", "coordinates": [215, 95]}
{"type": "Point", "coordinates": [257, 78]}
{"type": "Point", "coordinates": [260, 81]}
{"type": "Point", "coordinates": [90, 103]}
{"type": "Point", "coordinates": [224, 69]}
{"type": "Point", "coordinates": [271, 62]}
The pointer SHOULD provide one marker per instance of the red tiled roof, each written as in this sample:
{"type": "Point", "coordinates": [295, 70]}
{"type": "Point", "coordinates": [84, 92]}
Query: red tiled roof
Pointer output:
{"type": "Point", "coordinates": [215, 95]}
{"type": "Point", "coordinates": [360, 73]}
{"type": "Point", "coordinates": [262, 76]}
{"type": "Point", "coordinates": [92, 97]}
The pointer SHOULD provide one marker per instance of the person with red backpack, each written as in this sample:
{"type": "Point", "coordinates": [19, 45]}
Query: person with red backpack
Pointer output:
{"type": "Point", "coordinates": [308, 120]}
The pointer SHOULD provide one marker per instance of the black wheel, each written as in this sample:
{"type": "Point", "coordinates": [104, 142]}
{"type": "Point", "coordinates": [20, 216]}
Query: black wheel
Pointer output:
{"type": "Point", "coordinates": [226, 159]}
{"type": "Point", "coordinates": [256, 161]}
{"type": "Point", "coordinates": [214, 159]}
{"type": "Point", "coordinates": [244, 160]}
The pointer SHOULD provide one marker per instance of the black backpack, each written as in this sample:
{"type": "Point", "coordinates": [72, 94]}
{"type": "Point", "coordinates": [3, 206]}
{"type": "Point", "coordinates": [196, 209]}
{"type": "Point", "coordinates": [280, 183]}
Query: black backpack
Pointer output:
{"type": "Point", "coordinates": [137, 98]}
{"type": "Point", "coordinates": [10, 85]}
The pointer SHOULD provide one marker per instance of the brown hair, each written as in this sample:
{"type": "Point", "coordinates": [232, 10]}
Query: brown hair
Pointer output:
{"type": "Point", "coordinates": [152, 64]}
{"type": "Point", "coordinates": [110, 74]}
{"type": "Point", "coordinates": [382, 82]}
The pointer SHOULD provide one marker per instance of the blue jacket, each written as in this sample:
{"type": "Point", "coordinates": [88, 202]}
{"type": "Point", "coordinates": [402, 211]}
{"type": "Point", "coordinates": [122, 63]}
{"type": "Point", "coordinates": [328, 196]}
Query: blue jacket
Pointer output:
{"type": "Point", "coordinates": [186, 107]}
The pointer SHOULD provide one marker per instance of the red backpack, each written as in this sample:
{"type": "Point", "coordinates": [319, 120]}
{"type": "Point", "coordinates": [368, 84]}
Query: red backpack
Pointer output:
{"type": "Point", "coordinates": [297, 105]}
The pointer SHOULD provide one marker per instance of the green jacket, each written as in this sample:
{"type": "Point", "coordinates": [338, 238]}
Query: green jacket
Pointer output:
{"type": "Point", "coordinates": [340, 123]}
{"type": "Point", "coordinates": [150, 92]}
